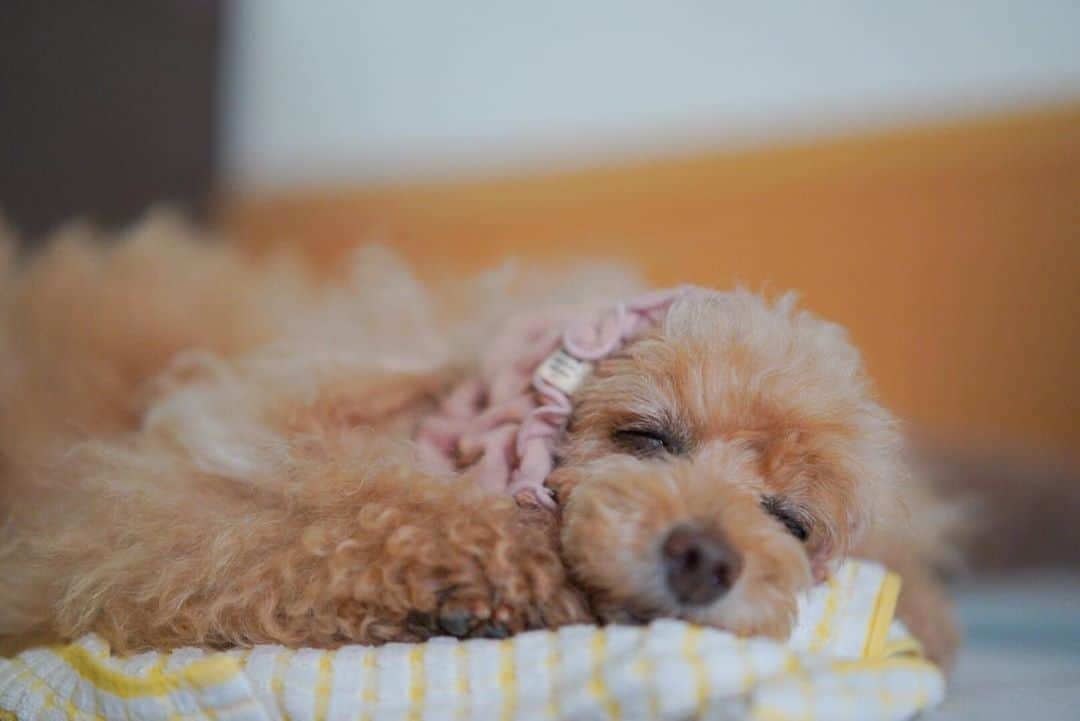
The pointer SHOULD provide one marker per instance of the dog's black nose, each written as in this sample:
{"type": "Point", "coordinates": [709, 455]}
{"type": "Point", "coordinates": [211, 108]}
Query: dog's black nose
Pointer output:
{"type": "Point", "coordinates": [700, 564]}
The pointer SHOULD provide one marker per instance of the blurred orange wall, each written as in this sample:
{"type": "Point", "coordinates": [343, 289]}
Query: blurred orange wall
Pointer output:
{"type": "Point", "coordinates": [951, 253]}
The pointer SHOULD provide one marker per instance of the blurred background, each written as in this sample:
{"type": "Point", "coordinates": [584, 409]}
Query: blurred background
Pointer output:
{"type": "Point", "coordinates": [912, 168]}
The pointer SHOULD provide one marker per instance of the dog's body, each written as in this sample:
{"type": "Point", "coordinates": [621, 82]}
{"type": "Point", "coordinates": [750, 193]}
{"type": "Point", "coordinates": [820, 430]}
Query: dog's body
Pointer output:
{"type": "Point", "coordinates": [199, 450]}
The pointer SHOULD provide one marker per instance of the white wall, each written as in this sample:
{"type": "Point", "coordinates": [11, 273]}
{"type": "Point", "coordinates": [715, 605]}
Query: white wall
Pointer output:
{"type": "Point", "coordinates": [390, 90]}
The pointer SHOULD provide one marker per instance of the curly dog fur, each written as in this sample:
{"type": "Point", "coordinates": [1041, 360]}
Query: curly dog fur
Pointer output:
{"type": "Point", "coordinates": [202, 449]}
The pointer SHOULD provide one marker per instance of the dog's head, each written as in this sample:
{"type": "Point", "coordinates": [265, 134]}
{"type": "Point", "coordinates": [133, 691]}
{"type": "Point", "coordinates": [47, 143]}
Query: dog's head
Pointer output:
{"type": "Point", "coordinates": [715, 466]}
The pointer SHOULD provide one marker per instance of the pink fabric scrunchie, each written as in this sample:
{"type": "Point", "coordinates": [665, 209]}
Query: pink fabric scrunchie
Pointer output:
{"type": "Point", "coordinates": [503, 424]}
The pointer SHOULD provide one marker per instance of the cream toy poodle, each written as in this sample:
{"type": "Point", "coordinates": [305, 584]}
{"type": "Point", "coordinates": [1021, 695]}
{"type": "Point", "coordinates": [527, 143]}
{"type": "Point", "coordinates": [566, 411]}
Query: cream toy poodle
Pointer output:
{"type": "Point", "coordinates": [201, 449]}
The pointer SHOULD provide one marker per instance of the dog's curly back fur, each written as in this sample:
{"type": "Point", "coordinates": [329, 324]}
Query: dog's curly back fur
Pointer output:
{"type": "Point", "coordinates": [253, 388]}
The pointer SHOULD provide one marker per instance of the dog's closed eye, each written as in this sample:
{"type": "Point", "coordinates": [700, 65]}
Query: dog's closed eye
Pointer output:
{"type": "Point", "coordinates": [646, 442]}
{"type": "Point", "coordinates": [794, 520]}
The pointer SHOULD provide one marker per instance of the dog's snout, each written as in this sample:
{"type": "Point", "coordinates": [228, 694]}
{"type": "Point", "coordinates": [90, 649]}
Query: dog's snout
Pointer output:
{"type": "Point", "coordinates": [701, 566]}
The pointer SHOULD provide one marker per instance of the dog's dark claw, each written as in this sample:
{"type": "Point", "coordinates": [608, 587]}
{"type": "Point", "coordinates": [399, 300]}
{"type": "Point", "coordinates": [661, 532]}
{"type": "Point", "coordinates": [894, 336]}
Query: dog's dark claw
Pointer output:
{"type": "Point", "coordinates": [456, 623]}
{"type": "Point", "coordinates": [422, 624]}
{"type": "Point", "coordinates": [493, 630]}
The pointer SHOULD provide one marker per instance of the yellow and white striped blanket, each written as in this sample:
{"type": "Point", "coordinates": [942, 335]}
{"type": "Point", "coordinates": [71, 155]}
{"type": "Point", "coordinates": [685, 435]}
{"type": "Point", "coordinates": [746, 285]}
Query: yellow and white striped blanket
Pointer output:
{"type": "Point", "coordinates": [848, 659]}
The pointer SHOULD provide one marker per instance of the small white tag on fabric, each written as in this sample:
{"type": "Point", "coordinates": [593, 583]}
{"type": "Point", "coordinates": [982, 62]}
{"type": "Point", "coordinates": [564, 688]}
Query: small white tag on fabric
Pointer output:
{"type": "Point", "coordinates": [564, 371]}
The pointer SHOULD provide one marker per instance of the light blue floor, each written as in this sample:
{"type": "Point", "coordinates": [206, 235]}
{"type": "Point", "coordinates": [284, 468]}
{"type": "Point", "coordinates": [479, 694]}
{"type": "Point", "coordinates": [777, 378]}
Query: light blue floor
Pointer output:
{"type": "Point", "coordinates": [1021, 659]}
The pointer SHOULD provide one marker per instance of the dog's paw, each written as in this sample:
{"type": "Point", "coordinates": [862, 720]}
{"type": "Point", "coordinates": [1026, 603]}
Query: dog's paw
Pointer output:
{"type": "Point", "coordinates": [520, 585]}
{"type": "Point", "coordinates": [488, 570]}
{"type": "Point", "coordinates": [463, 613]}
{"type": "Point", "coordinates": [475, 612]}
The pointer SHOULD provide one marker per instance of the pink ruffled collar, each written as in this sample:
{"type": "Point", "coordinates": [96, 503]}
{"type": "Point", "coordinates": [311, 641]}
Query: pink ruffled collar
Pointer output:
{"type": "Point", "coordinates": [503, 424]}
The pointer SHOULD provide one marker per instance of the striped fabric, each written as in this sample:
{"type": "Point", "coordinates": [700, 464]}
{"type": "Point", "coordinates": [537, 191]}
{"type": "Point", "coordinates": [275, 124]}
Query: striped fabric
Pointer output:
{"type": "Point", "coordinates": [848, 659]}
